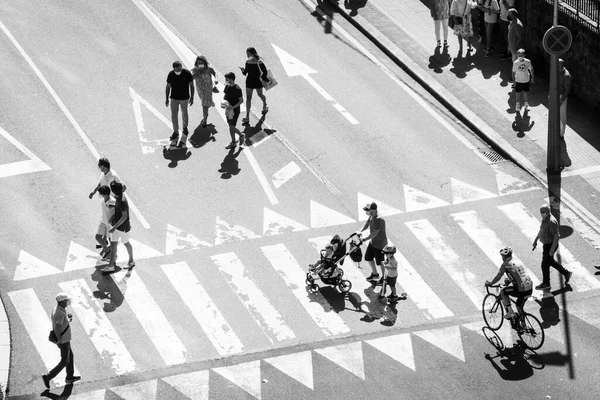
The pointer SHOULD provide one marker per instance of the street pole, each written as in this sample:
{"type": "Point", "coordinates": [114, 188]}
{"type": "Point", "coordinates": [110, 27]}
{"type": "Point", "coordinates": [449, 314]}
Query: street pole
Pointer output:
{"type": "Point", "coordinates": [553, 152]}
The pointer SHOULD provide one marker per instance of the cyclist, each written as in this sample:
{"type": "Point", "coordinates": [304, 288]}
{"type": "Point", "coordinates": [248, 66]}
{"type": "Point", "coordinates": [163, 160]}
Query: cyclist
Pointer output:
{"type": "Point", "coordinates": [520, 283]}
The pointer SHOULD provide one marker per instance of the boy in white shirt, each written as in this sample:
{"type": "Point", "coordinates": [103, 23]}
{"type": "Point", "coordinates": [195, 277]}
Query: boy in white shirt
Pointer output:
{"type": "Point", "coordinates": [522, 72]}
{"type": "Point", "coordinates": [391, 274]}
{"type": "Point", "coordinates": [106, 177]}
{"type": "Point", "coordinates": [108, 210]}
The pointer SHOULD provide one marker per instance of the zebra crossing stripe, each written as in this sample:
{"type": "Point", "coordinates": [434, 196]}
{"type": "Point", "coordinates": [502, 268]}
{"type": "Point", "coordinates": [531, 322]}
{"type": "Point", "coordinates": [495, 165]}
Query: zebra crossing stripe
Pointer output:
{"type": "Point", "coordinates": [151, 317]}
{"type": "Point", "coordinates": [263, 312]}
{"type": "Point", "coordinates": [448, 259]}
{"type": "Point", "coordinates": [38, 326]}
{"type": "Point", "coordinates": [98, 327]}
{"type": "Point", "coordinates": [582, 279]}
{"type": "Point", "coordinates": [486, 239]}
{"type": "Point", "coordinates": [294, 276]}
{"type": "Point", "coordinates": [208, 316]}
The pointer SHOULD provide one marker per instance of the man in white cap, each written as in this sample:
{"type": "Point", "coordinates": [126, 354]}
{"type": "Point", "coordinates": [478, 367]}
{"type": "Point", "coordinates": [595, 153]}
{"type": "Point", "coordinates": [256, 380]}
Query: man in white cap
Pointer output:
{"type": "Point", "coordinates": [374, 253]}
{"type": "Point", "coordinates": [61, 324]}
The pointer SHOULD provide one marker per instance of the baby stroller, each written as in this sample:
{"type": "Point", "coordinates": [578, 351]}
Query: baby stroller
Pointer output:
{"type": "Point", "coordinates": [327, 267]}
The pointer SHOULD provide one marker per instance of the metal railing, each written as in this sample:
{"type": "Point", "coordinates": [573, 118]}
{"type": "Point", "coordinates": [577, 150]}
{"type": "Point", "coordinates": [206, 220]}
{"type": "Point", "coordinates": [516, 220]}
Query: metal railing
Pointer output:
{"type": "Point", "coordinates": [586, 12]}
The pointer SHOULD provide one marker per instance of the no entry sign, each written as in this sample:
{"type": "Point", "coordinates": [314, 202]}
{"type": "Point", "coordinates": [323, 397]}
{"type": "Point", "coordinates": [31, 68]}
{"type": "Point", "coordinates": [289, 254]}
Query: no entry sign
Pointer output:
{"type": "Point", "coordinates": [557, 40]}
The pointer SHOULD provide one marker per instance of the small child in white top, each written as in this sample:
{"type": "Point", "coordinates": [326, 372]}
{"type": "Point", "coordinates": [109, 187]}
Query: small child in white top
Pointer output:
{"type": "Point", "coordinates": [391, 274]}
{"type": "Point", "coordinates": [108, 210]}
{"type": "Point", "coordinates": [522, 72]}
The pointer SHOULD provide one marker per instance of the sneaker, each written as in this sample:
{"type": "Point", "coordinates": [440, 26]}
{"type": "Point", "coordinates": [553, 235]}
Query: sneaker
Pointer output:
{"type": "Point", "coordinates": [510, 315]}
{"type": "Point", "coordinates": [46, 380]}
{"type": "Point", "coordinates": [373, 277]}
{"type": "Point", "coordinates": [526, 106]}
{"type": "Point", "coordinates": [568, 276]}
{"type": "Point", "coordinates": [98, 246]}
{"type": "Point", "coordinates": [106, 257]}
{"type": "Point", "coordinates": [379, 282]}
{"type": "Point", "coordinates": [230, 145]}
{"type": "Point", "coordinates": [185, 131]}
{"type": "Point", "coordinates": [518, 107]}
{"type": "Point", "coordinates": [72, 379]}
{"type": "Point", "coordinates": [108, 269]}
{"type": "Point", "coordinates": [597, 266]}
{"type": "Point", "coordinates": [174, 136]}
{"type": "Point", "coordinates": [543, 286]}
{"type": "Point", "coordinates": [130, 265]}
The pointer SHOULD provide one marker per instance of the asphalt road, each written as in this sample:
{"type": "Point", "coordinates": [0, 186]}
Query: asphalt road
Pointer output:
{"type": "Point", "coordinates": [203, 207]}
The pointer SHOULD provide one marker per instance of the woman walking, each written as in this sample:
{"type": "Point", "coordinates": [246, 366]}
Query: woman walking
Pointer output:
{"type": "Point", "coordinates": [440, 12]}
{"type": "Point", "coordinates": [464, 30]}
{"type": "Point", "coordinates": [255, 70]}
{"type": "Point", "coordinates": [202, 72]}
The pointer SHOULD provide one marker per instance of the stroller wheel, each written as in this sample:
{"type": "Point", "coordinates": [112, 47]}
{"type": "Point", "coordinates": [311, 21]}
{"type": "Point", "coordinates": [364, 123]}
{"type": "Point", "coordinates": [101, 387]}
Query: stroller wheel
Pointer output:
{"type": "Point", "coordinates": [309, 279]}
{"type": "Point", "coordinates": [341, 272]}
{"type": "Point", "coordinates": [314, 288]}
{"type": "Point", "coordinates": [345, 286]}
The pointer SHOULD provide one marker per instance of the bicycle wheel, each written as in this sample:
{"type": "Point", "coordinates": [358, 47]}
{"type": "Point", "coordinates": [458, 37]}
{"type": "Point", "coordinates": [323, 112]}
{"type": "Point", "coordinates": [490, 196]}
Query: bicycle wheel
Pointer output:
{"type": "Point", "coordinates": [493, 312]}
{"type": "Point", "coordinates": [530, 331]}
{"type": "Point", "coordinates": [493, 338]}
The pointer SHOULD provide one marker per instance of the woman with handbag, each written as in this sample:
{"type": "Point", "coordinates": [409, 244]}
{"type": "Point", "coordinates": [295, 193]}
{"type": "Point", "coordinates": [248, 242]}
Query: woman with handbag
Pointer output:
{"type": "Point", "coordinates": [460, 14]}
{"type": "Point", "coordinates": [440, 12]}
{"type": "Point", "coordinates": [203, 73]}
{"type": "Point", "coordinates": [256, 72]}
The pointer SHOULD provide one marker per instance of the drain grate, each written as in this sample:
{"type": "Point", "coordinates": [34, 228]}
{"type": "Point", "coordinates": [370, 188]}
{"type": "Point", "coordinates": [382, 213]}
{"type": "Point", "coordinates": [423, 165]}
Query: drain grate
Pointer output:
{"type": "Point", "coordinates": [493, 156]}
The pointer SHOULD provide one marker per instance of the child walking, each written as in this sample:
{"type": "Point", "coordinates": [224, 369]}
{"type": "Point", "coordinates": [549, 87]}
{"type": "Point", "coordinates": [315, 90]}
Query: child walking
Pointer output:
{"type": "Point", "coordinates": [522, 72]}
{"type": "Point", "coordinates": [108, 210]}
{"type": "Point", "coordinates": [391, 274]}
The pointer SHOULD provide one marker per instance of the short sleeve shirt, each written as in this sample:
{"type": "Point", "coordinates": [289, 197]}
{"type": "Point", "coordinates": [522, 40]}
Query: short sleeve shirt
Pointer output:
{"type": "Point", "coordinates": [518, 277]}
{"type": "Point", "coordinates": [522, 70]}
{"type": "Point", "coordinates": [491, 17]}
{"type": "Point", "coordinates": [122, 205]}
{"type": "Point", "coordinates": [505, 5]}
{"type": "Point", "coordinates": [378, 223]}
{"type": "Point", "coordinates": [180, 84]}
{"type": "Point", "coordinates": [106, 179]}
{"type": "Point", "coordinates": [232, 94]}
{"type": "Point", "coordinates": [108, 210]}
{"type": "Point", "coordinates": [391, 267]}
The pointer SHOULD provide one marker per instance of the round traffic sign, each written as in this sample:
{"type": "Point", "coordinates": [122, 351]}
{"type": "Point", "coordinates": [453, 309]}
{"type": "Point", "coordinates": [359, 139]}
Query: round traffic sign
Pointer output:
{"type": "Point", "coordinates": [557, 40]}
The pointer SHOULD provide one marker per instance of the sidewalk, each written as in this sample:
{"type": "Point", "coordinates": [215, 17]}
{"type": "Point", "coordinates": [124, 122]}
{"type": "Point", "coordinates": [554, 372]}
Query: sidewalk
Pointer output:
{"type": "Point", "coordinates": [478, 90]}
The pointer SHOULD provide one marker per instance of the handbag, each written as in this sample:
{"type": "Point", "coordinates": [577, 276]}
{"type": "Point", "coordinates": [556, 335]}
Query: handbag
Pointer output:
{"type": "Point", "coordinates": [52, 335]}
{"type": "Point", "coordinates": [456, 20]}
{"type": "Point", "coordinates": [271, 82]}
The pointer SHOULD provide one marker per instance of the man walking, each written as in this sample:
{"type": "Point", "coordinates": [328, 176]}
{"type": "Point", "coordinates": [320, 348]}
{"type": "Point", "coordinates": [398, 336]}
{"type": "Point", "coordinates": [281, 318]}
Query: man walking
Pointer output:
{"type": "Point", "coordinates": [374, 254]}
{"type": "Point", "coordinates": [120, 229]}
{"type": "Point", "coordinates": [180, 89]}
{"type": "Point", "coordinates": [549, 236]}
{"type": "Point", "coordinates": [61, 324]}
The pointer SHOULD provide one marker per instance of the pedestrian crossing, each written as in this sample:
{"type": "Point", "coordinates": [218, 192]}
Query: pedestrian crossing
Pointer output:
{"type": "Point", "coordinates": [253, 299]}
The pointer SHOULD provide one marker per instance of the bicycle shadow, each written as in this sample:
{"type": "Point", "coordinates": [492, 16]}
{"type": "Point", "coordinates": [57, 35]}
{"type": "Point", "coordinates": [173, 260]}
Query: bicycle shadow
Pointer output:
{"type": "Point", "coordinates": [516, 363]}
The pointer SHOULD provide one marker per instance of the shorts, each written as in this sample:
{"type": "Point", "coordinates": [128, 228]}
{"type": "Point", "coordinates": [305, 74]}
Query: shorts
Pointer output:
{"type": "Point", "coordinates": [233, 120]}
{"type": "Point", "coordinates": [521, 296]}
{"type": "Point", "coordinates": [373, 253]}
{"type": "Point", "coordinates": [117, 234]}
{"type": "Point", "coordinates": [102, 230]}
{"type": "Point", "coordinates": [391, 281]}
{"type": "Point", "coordinates": [522, 87]}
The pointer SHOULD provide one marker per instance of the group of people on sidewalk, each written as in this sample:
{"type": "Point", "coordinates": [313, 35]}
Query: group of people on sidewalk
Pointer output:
{"type": "Point", "coordinates": [180, 92]}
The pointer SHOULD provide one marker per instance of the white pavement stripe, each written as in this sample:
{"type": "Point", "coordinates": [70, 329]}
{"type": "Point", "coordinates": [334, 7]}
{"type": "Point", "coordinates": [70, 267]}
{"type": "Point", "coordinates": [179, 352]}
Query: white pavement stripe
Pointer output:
{"type": "Point", "coordinates": [38, 325]}
{"type": "Point", "coordinates": [582, 279]}
{"type": "Point", "coordinates": [202, 307]}
{"type": "Point", "coordinates": [448, 259]}
{"type": "Point", "coordinates": [151, 317]}
{"type": "Point", "coordinates": [238, 278]}
{"type": "Point", "coordinates": [98, 327]}
{"type": "Point", "coordinates": [486, 240]}
{"type": "Point", "coordinates": [419, 291]}
{"type": "Point", "coordinates": [294, 276]}
{"type": "Point", "coordinates": [285, 174]}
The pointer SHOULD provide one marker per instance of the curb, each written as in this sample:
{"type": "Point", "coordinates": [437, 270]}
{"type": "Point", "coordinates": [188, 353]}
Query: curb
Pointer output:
{"type": "Point", "coordinates": [4, 350]}
{"type": "Point", "coordinates": [463, 114]}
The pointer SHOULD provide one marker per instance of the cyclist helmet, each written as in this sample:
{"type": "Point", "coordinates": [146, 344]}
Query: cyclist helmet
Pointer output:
{"type": "Point", "coordinates": [389, 249]}
{"type": "Point", "coordinates": [506, 251]}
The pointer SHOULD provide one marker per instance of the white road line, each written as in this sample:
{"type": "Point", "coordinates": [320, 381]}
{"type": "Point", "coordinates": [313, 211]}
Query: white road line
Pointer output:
{"type": "Point", "coordinates": [294, 276]}
{"type": "Point", "coordinates": [448, 259]}
{"type": "Point", "coordinates": [34, 164]}
{"type": "Point", "coordinates": [582, 279]}
{"type": "Point", "coordinates": [38, 325]}
{"type": "Point", "coordinates": [486, 240]}
{"type": "Point", "coordinates": [285, 174]}
{"type": "Point", "coordinates": [98, 327]}
{"type": "Point", "coordinates": [263, 312]}
{"type": "Point", "coordinates": [328, 97]}
{"type": "Point", "coordinates": [208, 316]}
{"type": "Point", "coordinates": [151, 317]}
{"type": "Point", "coordinates": [69, 116]}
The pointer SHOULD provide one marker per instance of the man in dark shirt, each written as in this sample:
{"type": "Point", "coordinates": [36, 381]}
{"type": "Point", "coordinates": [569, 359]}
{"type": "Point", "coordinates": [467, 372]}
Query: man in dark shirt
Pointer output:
{"type": "Point", "coordinates": [374, 253]}
{"type": "Point", "coordinates": [180, 84]}
{"type": "Point", "coordinates": [120, 228]}
{"type": "Point", "coordinates": [233, 98]}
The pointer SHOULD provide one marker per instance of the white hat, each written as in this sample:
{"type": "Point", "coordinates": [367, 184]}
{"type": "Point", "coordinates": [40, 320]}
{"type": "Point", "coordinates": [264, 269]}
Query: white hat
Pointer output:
{"type": "Point", "coordinates": [62, 296]}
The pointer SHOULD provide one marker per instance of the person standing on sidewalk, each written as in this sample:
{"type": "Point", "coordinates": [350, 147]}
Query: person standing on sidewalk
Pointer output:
{"type": "Point", "coordinates": [505, 5]}
{"type": "Point", "coordinates": [464, 30]}
{"type": "Point", "coordinates": [516, 33]}
{"type": "Point", "coordinates": [440, 12]}
{"type": "Point", "coordinates": [564, 90]}
{"type": "Point", "coordinates": [523, 77]}
{"type": "Point", "coordinates": [61, 325]}
{"type": "Point", "coordinates": [120, 229]}
{"type": "Point", "coordinates": [549, 235]}
{"type": "Point", "coordinates": [374, 253]}
{"type": "Point", "coordinates": [203, 73]}
{"type": "Point", "coordinates": [180, 83]}
{"type": "Point", "coordinates": [491, 10]}
{"type": "Point", "coordinates": [255, 70]}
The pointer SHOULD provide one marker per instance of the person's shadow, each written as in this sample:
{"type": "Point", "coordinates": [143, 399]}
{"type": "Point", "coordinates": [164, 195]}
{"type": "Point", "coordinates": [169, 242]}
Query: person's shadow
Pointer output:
{"type": "Point", "coordinates": [203, 135]}
{"type": "Point", "coordinates": [522, 123]}
{"type": "Point", "coordinates": [461, 65]}
{"type": "Point", "coordinates": [230, 165]}
{"type": "Point", "coordinates": [439, 59]}
{"type": "Point", "coordinates": [107, 290]}
{"type": "Point", "coordinates": [354, 5]}
{"type": "Point", "coordinates": [66, 393]}
{"type": "Point", "coordinates": [176, 152]}
{"type": "Point", "coordinates": [516, 366]}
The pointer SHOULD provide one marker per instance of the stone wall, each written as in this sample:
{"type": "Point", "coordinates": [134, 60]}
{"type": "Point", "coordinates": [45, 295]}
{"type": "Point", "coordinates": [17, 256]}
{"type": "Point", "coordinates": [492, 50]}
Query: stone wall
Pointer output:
{"type": "Point", "coordinates": [583, 58]}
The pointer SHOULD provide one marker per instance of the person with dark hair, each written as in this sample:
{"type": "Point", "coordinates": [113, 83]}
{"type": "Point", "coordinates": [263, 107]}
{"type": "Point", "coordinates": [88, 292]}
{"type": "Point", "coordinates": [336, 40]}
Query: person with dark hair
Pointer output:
{"type": "Point", "coordinates": [203, 73]}
{"type": "Point", "coordinates": [505, 5]}
{"type": "Point", "coordinates": [461, 9]}
{"type": "Point", "coordinates": [180, 89]}
{"type": "Point", "coordinates": [440, 12]}
{"type": "Point", "coordinates": [516, 34]}
{"type": "Point", "coordinates": [377, 234]}
{"type": "Point", "coordinates": [120, 229]}
{"type": "Point", "coordinates": [232, 100]}
{"type": "Point", "coordinates": [255, 70]}
{"type": "Point", "coordinates": [106, 177]}
{"type": "Point", "coordinates": [108, 210]}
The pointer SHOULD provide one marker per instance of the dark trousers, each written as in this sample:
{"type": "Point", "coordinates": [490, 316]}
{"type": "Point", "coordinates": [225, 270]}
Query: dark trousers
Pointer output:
{"type": "Point", "coordinates": [549, 261]}
{"type": "Point", "coordinates": [66, 360]}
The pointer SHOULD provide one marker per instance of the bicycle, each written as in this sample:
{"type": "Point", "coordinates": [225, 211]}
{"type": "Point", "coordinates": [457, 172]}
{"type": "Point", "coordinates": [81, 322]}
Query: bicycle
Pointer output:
{"type": "Point", "coordinates": [527, 326]}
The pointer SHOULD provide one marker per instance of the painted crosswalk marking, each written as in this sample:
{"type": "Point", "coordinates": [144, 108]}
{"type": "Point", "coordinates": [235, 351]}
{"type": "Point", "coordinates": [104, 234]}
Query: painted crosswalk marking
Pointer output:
{"type": "Point", "coordinates": [294, 276]}
{"type": "Point", "coordinates": [151, 317]}
{"type": "Point", "coordinates": [208, 316]}
{"type": "Point", "coordinates": [448, 259]}
{"type": "Point", "coordinates": [98, 327]}
{"type": "Point", "coordinates": [255, 301]}
{"type": "Point", "coordinates": [582, 279]}
{"type": "Point", "coordinates": [38, 325]}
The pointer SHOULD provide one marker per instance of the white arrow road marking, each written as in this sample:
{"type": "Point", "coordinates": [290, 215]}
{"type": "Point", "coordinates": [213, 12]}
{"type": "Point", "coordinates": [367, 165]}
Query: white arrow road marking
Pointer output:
{"type": "Point", "coordinates": [295, 67]}
{"type": "Point", "coordinates": [136, 391]}
{"type": "Point", "coordinates": [285, 174]}
{"type": "Point", "coordinates": [148, 146]}
{"type": "Point", "coordinates": [296, 365]}
{"type": "Point", "coordinates": [34, 164]}
{"type": "Point", "coordinates": [348, 356]}
{"type": "Point", "coordinates": [194, 385]}
{"type": "Point", "coordinates": [245, 375]}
